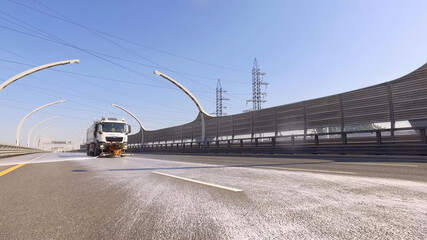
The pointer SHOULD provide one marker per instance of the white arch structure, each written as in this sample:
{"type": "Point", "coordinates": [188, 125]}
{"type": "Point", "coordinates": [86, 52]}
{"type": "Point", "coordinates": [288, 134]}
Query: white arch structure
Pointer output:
{"type": "Point", "coordinates": [202, 112]}
{"type": "Point", "coordinates": [18, 130]}
{"type": "Point", "coordinates": [32, 129]}
{"type": "Point", "coordinates": [33, 70]}
{"type": "Point", "coordinates": [139, 122]}
{"type": "Point", "coordinates": [39, 135]}
{"type": "Point", "coordinates": [45, 136]}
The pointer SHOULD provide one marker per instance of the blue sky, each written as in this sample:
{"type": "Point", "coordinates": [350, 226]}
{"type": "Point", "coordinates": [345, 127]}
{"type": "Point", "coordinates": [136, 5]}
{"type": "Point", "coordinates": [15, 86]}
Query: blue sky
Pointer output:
{"type": "Point", "coordinates": [307, 49]}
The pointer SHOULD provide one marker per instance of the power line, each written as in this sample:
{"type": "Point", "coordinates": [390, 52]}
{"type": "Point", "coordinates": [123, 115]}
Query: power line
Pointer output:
{"type": "Point", "coordinates": [95, 85]}
{"type": "Point", "coordinates": [106, 55]}
{"type": "Point", "coordinates": [121, 46]}
{"type": "Point", "coordinates": [96, 32]}
{"type": "Point", "coordinates": [104, 78]}
{"type": "Point", "coordinates": [81, 110]}
{"type": "Point", "coordinates": [60, 41]}
{"type": "Point", "coordinates": [87, 75]}
{"type": "Point", "coordinates": [44, 112]}
{"type": "Point", "coordinates": [97, 99]}
{"type": "Point", "coordinates": [96, 54]}
{"type": "Point", "coordinates": [87, 51]}
{"type": "Point", "coordinates": [122, 39]}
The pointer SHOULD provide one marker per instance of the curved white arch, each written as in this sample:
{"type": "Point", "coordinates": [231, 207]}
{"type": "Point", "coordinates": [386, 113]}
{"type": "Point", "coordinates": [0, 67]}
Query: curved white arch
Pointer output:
{"type": "Point", "coordinates": [186, 91]}
{"type": "Point", "coordinates": [33, 70]}
{"type": "Point", "coordinates": [32, 129]}
{"type": "Point", "coordinates": [139, 122]}
{"type": "Point", "coordinates": [18, 130]}
{"type": "Point", "coordinates": [45, 136]}
{"type": "Point", "coordinates": [202, 112]}
{"type": "Point", "coordinates": [39, 135]}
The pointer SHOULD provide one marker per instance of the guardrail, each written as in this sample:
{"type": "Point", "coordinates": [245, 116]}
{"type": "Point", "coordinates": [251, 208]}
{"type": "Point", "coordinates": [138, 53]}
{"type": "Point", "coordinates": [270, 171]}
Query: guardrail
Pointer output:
{"type": "Point", "coordinates": [398, 141]}
{"type": "Point", "coordinates": [13, 150]}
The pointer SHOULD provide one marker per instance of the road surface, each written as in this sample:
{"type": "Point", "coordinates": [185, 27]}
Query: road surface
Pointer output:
{"type": "Point", "coordinates": [147, 196]}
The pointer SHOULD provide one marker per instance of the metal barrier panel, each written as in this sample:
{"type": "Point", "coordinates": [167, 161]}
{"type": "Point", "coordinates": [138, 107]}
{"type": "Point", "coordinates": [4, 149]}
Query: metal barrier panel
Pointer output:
{"type": "Point", "coordinates": [290, 117]}
{"type": "Point", "coordinates": [175, 134]}
{"type": "Point", "coordinates": [136, 138]}
{"type": "Point", "coordinates": [197, 130]}
{"type": "Point", "coordinates": [242, 124]}
{"type": "Point", "coordinates": [163, 135]}
{"type": "Point", "coordinates": [367, 105]}
{"type": "Point", "coordinates": [323, 112]}
{"type": "Point", "coordinates": [410, 96]}
{"type": "Point", "coordinates": [150, 136]}
{"type": "Point", "coordinates": [264, 121]}
{"type": "Point", "coordinates": [170, 135]}
{"type": "Point", "coordinates": [211, 128]}
{"type": "Point", "coordinates": [225, 127]}
{"type": "Point", "coordinates": [187, 132]}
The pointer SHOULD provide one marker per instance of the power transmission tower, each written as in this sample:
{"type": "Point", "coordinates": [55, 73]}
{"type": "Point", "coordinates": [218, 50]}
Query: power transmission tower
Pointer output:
{"type": "Point", "coordinates": [258, 97]}
{"type": "Point", "coordinates": [219, 99]}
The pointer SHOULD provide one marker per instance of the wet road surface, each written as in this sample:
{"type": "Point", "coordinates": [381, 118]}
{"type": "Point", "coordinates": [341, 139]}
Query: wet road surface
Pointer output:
{"type": "Point", "coordinates": [146, 196]}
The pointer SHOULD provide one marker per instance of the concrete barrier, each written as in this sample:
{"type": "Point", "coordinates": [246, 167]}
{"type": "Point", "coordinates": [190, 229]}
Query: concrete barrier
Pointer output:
{"type": "Point", "coordinates": [13, 150]}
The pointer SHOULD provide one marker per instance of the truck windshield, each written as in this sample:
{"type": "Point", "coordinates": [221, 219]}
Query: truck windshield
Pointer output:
{"type": "Point", "coordinates": [113, 127]}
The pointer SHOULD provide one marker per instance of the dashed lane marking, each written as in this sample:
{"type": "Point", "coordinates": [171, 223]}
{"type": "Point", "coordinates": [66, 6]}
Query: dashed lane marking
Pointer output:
{"type": "Point", "coordinates": [200, 182]}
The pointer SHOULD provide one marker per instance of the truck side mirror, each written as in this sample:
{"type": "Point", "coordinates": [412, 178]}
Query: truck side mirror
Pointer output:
{"type": "Point", "coordinates": [129, 129]}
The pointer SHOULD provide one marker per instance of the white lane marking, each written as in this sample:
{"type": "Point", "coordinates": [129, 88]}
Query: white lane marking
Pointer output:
{"type": "Point", "coordinates": [379, 164]}
{"type": "Point", "coordinates": [309, 170]}
{"type": "Point", "coordinates": [62, 159]}
{"type": "Point", "coordinates": [36, 158]}
{"type": "Point", "coordinates": [18, 166]}
{"type": "Point", "coordinates": [200, 182]}
{"type": "Point", "coordinates": [22, 161]}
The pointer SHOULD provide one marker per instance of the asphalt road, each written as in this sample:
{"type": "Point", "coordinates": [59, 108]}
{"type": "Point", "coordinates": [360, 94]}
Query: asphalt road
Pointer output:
{"type": "Point", "coordinates": [72, 196]}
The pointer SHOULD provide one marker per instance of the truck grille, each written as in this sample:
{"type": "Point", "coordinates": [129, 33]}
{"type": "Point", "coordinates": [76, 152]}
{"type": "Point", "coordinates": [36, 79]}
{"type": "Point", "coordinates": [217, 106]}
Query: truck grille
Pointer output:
{"type": "Point", "coordinates": [114, 139]}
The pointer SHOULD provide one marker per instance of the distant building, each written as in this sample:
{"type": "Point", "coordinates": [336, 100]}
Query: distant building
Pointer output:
{"type": "Point", "coordinates": [59, 146]}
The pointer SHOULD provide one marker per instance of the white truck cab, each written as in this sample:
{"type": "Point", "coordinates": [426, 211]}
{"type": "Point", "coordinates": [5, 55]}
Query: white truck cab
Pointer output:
{"type": "Point", "coordinates": [107, 137]}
